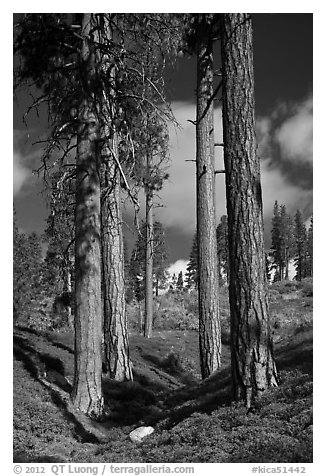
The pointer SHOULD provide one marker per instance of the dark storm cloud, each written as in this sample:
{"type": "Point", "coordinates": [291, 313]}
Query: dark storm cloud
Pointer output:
{"type": "Point", "coordinates": [283, 60]}
{"type": "Point", "coordinates": [281, 178]}
{"type": "Point", "coordinates": [285, 177]}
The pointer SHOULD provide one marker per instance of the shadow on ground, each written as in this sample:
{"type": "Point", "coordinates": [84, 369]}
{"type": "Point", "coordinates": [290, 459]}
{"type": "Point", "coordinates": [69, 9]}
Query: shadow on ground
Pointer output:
{"type": "Point", "coordinates": [163, 392]}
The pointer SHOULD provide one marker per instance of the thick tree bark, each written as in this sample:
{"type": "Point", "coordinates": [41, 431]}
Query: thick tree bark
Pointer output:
{"type": "Point", "coordinates": [253, 366]}
{"type": "Point", "coordinates": [209, 322]}
{"type": "Point", "coordinates": [87, 390]}
{"type": "Point", "coordinates": [148, 326]}
{"type": "Point", "coordinates": [115, 316]}
{"type": "Point", "coordinates": [114, 302]}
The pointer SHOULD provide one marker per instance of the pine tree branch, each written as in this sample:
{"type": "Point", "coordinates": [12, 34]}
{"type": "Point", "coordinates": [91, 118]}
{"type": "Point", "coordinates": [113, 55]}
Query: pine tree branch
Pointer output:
{"type": "Point", "coordinates": [116, 159]}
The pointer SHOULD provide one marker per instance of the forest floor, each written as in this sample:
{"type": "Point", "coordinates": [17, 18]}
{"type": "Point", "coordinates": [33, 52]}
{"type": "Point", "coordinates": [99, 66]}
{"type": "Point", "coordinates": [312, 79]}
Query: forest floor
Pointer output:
{"type": "Point", "coordinates": [194, 420]}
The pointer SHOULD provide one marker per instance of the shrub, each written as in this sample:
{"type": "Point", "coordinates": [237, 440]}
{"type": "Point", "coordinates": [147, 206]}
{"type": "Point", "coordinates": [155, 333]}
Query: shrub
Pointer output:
{"type": "Point", "coordinates": [284, 287]}
{"type": "Point", "coordinates": [176, 310]}
{"type": "Point", "coordinates": [307, 287]}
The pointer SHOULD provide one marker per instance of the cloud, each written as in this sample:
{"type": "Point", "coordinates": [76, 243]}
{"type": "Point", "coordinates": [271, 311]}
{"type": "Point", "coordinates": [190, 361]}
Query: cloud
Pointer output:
{"type": "Point", "coordinates": [25, 159]}
{"type": "Point", "coordinates": [21, 174]}
{"type": "Point", "coordinates": [179, 192]}
{"type": "Point", "coordinates": [286, 148]}
{"type": "Point", "coordinates": [295, 135]}
{"type": "Point", "coordinates": [276, 187]}
{"type": "Point", "coordinates": [282, 179]}
{"type": "Point", "coordinates": [179, 265]}
{"type": "Point", "coordinates": [286, 135]}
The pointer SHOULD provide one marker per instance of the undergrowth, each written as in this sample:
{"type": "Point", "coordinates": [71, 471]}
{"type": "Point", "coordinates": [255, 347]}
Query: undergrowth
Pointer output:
{"type": "Point", "coordinates": [194, 421]}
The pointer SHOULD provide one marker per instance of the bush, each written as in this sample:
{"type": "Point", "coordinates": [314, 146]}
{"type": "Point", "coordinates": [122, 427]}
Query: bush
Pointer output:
{"type": "Point", "coordinates": [284, 287]}
{"type": "Point", "coordinates": [307, 287]}
{"type": "Point", "coordinates": [173, 310]}
{"type": "Point", "coordinates": [178, 310]}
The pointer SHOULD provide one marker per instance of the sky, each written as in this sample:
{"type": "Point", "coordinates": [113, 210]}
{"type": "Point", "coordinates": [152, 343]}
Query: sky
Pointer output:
{"type": "Point", "coordinates": [283, 60]}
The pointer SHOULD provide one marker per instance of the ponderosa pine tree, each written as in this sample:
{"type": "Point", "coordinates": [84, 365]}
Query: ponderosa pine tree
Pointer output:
{"type": "Point", "coordinates": [282, 241]}
{"type": "Point", "coordinates": [116, 342]}
{"type": "Point", "coordinates": [205, 27]}
{"type": "Point", "coordinates": [57, 54]}
{"type": "Point", "coordinates": [156, 36]}
{"type": "Point", "coordinates": [152, 152]}
{"type": "Point", "coordinates": [253, 366]}
{"type": "Point", "coordinates": [138, 261]}
{"type": "Point", "coordinates": [87, 388]}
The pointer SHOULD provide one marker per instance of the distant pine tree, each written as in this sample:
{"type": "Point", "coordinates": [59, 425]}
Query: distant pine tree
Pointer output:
{"type": "Point", "coordinates": [138, 261]}
{"type": "Point", "coordinates": [287, 241]}
{"type": "Point", "coordinates": [300, 234]}
{"type": "Point", "coordinates": [282, 241]}
{"type": "Point", "coordinates": [222, 248]}
{"type": "Point", "coordinates": [20, 284]}
{"type": "Point", "coordinates": [174, 281]}
{"type": "Point", "coordinates": [28, 282]}
{"type": "Point", "coordinates": [192, 267]}
{"type": "Point", "coordinates": [309, 268]}
{"type": "Point", "coordinates": [179, 284]}
{"type": "Point", "coordinates": [276, 241]}
{"type": "Point", "coordinates": [160, 258]}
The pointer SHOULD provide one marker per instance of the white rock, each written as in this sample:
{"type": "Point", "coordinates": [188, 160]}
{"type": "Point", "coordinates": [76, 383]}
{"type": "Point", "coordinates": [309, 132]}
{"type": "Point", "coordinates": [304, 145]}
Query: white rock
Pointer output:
{"type": "Point", "coordinates": [139, 433]}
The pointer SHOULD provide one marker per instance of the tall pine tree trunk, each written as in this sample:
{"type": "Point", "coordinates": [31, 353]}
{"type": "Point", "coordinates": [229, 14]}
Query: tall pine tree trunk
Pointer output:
{"type": "Point", "coordinates": [116, 341]}
{"type": "Point", "coordinates": [253, 366]}
{"type": "Point", "coordinates": [115, 316]}
{"type": "Point", "coordinates": [148, 325]}
{"type": "Point", "coordinates": [87, 390]}
{"type": "Point", "coordinates": [209, 322]}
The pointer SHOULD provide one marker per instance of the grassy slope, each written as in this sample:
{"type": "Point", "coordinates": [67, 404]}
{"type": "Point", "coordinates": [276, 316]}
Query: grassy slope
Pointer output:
{"type": "Point", "coordinates": [194, 421]}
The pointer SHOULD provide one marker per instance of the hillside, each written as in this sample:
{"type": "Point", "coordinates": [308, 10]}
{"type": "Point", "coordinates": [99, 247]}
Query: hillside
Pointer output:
{"type": "Point", "coordinates": [194, 420]}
